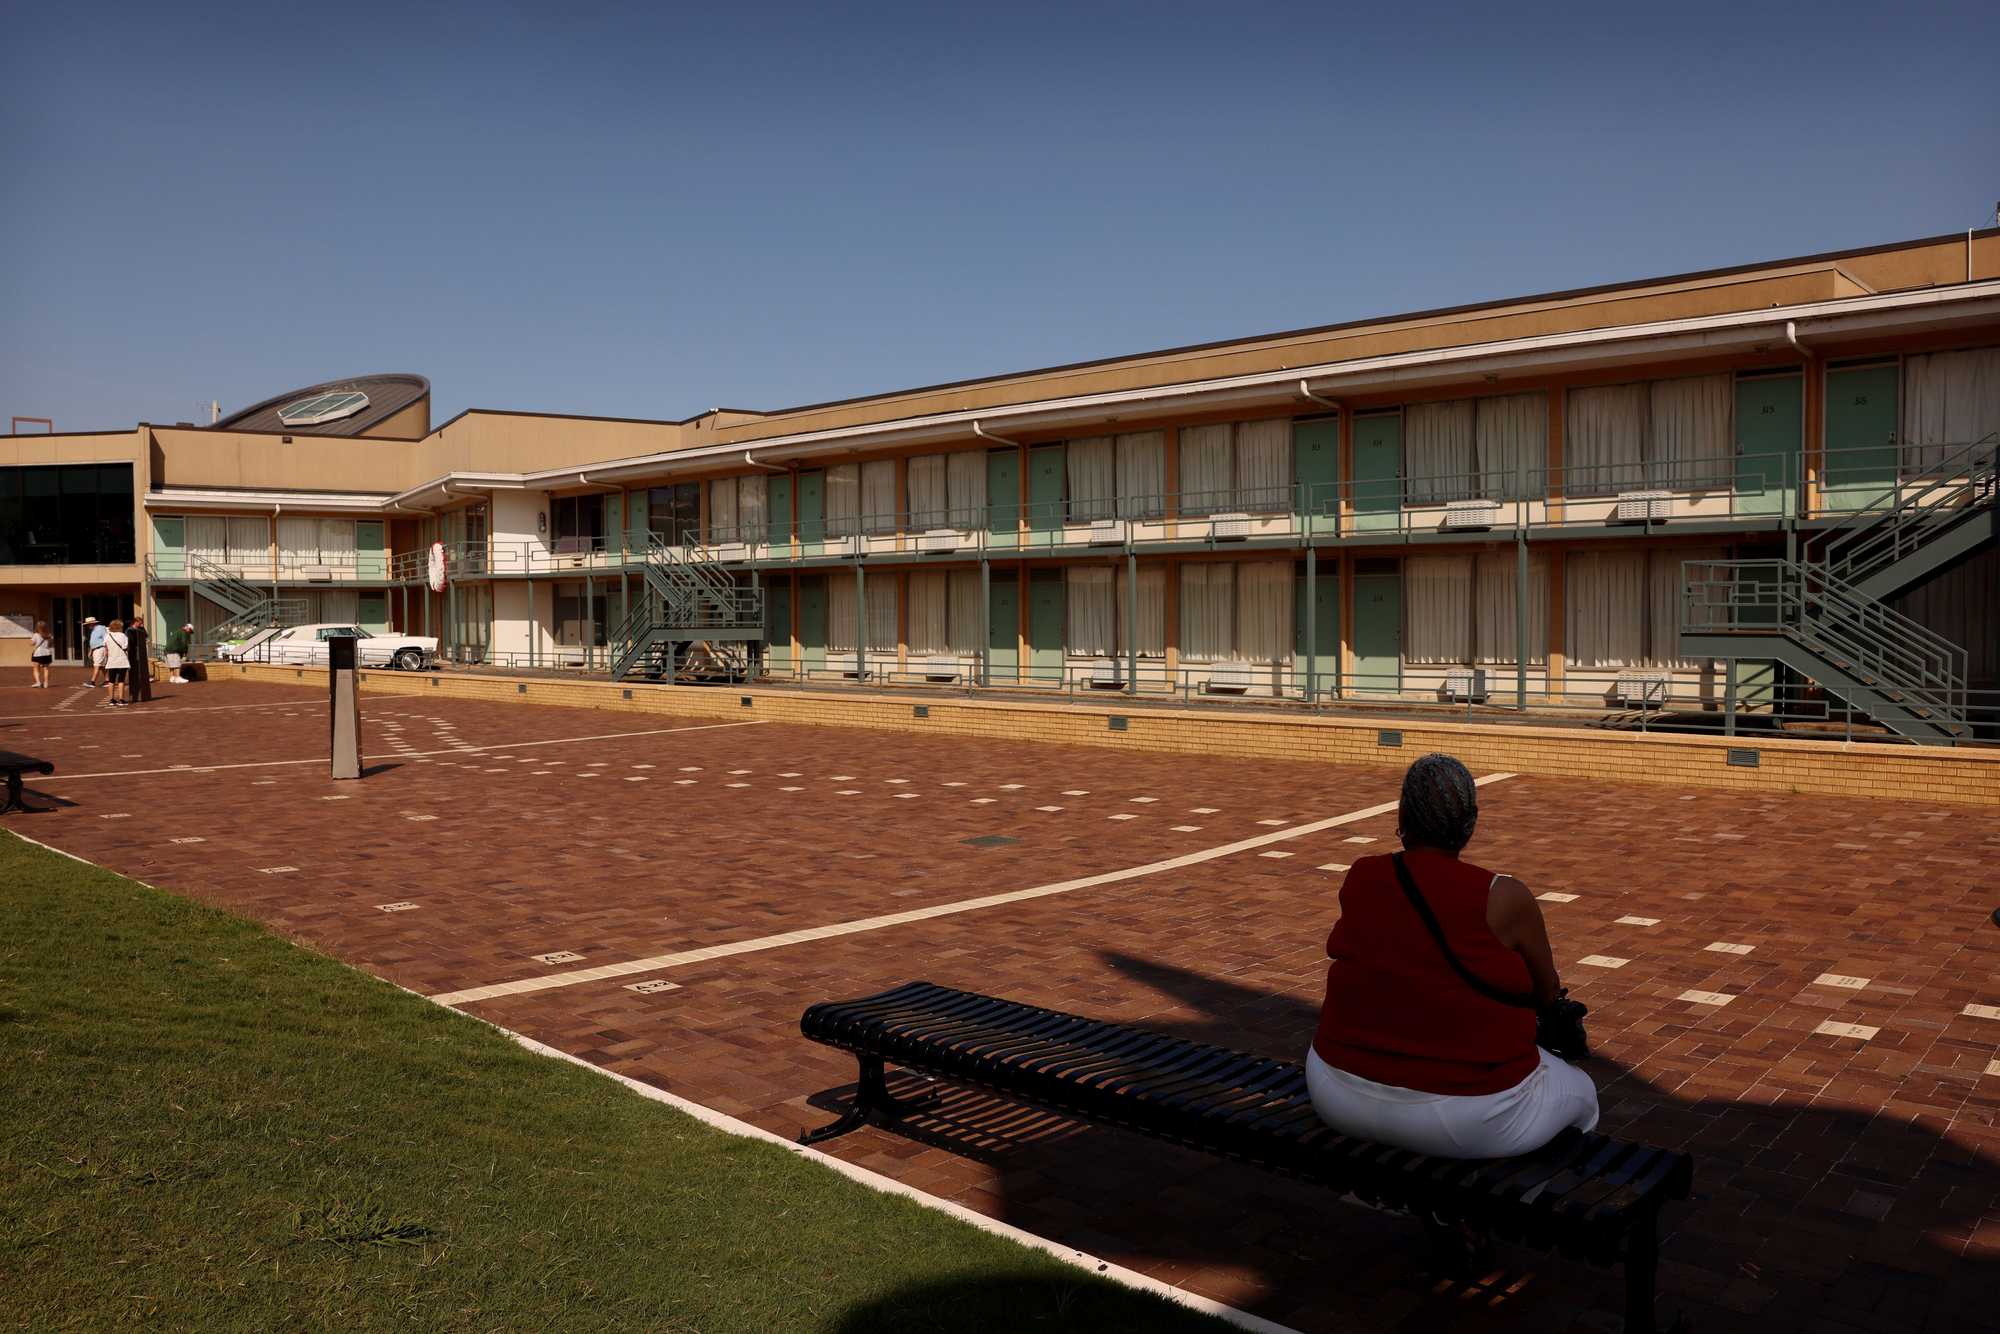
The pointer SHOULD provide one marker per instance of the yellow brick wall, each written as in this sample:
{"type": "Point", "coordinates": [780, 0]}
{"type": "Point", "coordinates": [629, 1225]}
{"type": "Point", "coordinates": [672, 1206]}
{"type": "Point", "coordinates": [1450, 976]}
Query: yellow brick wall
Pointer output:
{"type": "Point", "coordinates": [1818, 768]}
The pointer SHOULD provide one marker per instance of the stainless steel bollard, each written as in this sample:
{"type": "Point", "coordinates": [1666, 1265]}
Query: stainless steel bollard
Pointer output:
{"type": "Point", "coordinates": [344, 684]}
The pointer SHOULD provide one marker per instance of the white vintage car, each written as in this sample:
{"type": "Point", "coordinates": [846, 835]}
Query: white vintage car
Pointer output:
{"type": "Point", "coordinates": [305, 646]}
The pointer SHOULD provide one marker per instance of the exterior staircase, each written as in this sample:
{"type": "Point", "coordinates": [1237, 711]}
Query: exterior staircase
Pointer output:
{"type": "Point", "coordinates": [1827, 617]}
{"type": "Point", "coordinates": [691, 622]}
{"type": "Point", "coordinates": [250, 608]}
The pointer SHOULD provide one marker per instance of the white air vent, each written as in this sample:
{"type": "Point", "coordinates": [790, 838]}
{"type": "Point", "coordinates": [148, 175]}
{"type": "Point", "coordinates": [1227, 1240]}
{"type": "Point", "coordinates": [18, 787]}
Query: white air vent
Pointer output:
{"type": "Point", "coordinates": [1228, 678]}
{"type": "Point", "coordinates": [1459, 514]}
{"type": "Point", "coordinates": [1465, 685]}
{"type": "Point", "coordinates": [1106, 532]}
{"type": "Point", "coordinates": [942, 670]}
{"type": "Point", "coordinates": [1641, 689]}
{"type": "Point", "coordinates": [1231, 527]}
{"type": "Point", "coordinates": [1107, 676]}
{"type": "Point", "coordinates": [940, 539]}
{"type": "Point", "coordinates": [1639, 506]}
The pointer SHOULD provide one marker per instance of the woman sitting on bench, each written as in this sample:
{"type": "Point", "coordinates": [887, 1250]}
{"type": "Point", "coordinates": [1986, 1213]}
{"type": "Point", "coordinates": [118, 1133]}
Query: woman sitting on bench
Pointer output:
{"type": "Point", "coordinates": [1407, 1052]}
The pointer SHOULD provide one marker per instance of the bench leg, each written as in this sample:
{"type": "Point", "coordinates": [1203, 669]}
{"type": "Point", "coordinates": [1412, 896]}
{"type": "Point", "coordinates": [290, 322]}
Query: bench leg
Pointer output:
{"type": "Point", "coordinates": [14, 802]}
{"type": "Point", "coordinates": [1642, 1267]}
{"type": "Point", "coordinates": [872, 1102]}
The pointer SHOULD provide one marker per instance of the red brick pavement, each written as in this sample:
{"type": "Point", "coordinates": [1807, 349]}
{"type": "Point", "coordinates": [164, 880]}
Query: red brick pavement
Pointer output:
{"type": "Point", "coordinates": [1844, 1183]}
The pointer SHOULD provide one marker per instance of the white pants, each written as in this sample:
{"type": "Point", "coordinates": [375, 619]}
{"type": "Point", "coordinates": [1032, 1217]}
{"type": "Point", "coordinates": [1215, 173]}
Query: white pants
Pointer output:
{"type": "Point", "coordinates": [1487, 1125]}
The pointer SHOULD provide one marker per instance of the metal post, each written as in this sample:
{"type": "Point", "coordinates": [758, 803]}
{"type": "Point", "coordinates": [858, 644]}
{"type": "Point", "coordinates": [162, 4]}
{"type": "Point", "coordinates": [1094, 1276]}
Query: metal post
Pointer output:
{"type": "Point", "coordinates": [985, 621]}
{"type": "Point", "coordinates": [1729, 697]}
{"type": "Point", "coordinates": [1131, 623]}
{"type": "Point", "coordinates": [1312, 618]}
{"type": "Point", "coordinates": [860, 622]}
{"type": "Point", "coordinates": [532, 627]}
{"type": "Point", "coordinates": [1520, 617]}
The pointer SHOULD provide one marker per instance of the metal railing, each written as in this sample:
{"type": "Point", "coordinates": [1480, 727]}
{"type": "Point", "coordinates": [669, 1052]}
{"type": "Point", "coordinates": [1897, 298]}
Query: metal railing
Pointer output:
{"type": "Point", "coordinates": [1947, 482]}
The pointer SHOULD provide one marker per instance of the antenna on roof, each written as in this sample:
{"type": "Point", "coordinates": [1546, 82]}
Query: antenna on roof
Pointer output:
{"type": "Point", "coordinates": [214, 412]}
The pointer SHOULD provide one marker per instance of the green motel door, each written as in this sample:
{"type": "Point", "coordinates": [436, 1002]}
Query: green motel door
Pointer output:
{"type": "Point", "coordinates": [1003, 630]}
{"type": "Point", "coordinates": [1323, 601]}
{"type": "Point", "coordinates": [1316, 474]}
{"type": "Point", "coordinates": [812, 621]}
{"type": "Point", "coordinates": [812, 517]}
{"type": "Point", "coordinates": [1378, 629]}
{"type": "Point", "coordinates": [778, 624]}
{"type": "Point", "coordinates": [1860, 465]}
{"type": "Point", "coordinates": [1003, 499]}
{"type": "Point", "coordinates": [1770, 423]}
{"type": "Point", "coordinates": [1045, 494]}
{"type": "Point", "coordinates": [1378, 473]}
{"type": "Point", "coordinates": [170, 549]}
{"type": "Point", "coordinates": [1046, 607]}
{"type": "Point", "coordinates": [778, 517]}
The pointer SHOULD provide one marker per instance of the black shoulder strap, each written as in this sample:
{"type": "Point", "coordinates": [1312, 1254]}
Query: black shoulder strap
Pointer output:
{"type": "Point", "coordinates": [1472, 980]}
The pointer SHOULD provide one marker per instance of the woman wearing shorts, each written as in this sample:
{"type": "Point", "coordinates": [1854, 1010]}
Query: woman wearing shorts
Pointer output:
{"type": "Point", "coordinates": [41, 652]}
{"type": "Point", "coordinates": [117, 662]}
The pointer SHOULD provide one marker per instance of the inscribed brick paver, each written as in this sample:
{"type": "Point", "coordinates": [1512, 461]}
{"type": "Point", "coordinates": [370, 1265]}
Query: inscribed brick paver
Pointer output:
{"type": "Point", "coordinates": [1845, 1184]}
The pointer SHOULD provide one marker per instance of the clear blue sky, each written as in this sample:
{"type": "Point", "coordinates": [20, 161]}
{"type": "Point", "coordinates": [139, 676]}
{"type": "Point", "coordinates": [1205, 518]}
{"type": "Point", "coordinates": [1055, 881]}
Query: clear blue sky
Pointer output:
{"type": "Point", "coordinates": [644, 211]}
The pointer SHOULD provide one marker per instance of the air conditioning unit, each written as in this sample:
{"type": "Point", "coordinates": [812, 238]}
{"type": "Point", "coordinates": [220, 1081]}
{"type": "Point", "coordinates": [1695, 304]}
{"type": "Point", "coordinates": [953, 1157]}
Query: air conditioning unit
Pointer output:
{"type": "Point", "coordinates": [1641, 506]}
{"type": "Point", "coordinates": [940, 539]}
{"type": "Point", "coordinates": [848, 665]}
{"type": "Point", "coordinates": [1228, 678]}
{"type": "Point", "coordinates": [1465, 685]}
{"type": "Point", "coordinates": [1107, 676]}
{"type": "Point", "coordinates": [943, 671]}
{"type": "Point", "coordinates": [1231, 527]}
{"type": "Point", "coordinates": [731, 550]}
{"type": "Point", "coordinates": [1470, 514]}
{"type": "Point", "coordinates": [1642, 690]}
{"type": "Point", "coordinates": [1107, 532]}
{"type": "Point", "coordinates": [847, 545]}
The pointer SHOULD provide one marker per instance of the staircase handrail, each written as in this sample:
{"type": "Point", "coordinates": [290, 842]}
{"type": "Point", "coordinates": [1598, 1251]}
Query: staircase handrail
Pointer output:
{"type": "Point", "coordinates": [229, 584]}
{"type": "Point", "coordinates": [1875, 535]}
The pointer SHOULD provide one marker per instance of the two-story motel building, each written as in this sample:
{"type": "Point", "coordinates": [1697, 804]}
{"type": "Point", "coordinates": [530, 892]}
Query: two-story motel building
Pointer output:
{"type": "Point", "coordinates": [1483, 499]}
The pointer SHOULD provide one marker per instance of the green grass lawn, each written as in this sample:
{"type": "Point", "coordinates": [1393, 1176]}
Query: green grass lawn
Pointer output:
{"type": "Point", "coordinates": [204, 1125]}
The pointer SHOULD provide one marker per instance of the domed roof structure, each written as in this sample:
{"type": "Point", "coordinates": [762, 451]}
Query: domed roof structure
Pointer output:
{"type": "Point", "coordinates": [349, 407]}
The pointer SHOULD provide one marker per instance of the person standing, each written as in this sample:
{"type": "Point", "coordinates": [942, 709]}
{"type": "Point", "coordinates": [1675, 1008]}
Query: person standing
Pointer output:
{"type": "Point", "coordinates": [95, 649]}
{"type": "Point", "coordinates": [41, 652]}
{"type": "Point", "coordinates": [141, 689]}
{"type": "Point", "coordinates": [117, 661]}
{"type": "Point", "coordinates": [178, 645]}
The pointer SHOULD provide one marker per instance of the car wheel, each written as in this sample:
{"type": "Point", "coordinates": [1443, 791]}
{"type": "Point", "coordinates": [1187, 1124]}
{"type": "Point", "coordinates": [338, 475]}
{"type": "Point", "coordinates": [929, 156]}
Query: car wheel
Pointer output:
{"type": "Point", "coordinates": [409, 660]}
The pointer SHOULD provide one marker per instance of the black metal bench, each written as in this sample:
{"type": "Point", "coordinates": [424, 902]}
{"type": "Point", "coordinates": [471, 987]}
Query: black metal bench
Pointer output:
{"type": "Point", "coordinates": [13, 766]}
{"type": "Point", "coordinates": [1587, 1196]}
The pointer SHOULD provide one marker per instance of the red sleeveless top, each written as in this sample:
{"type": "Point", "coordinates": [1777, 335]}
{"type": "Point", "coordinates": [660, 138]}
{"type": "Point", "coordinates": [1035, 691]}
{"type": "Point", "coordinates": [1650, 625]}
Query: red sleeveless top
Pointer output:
{"type": "Point", "coordinates": [1395, 1011]}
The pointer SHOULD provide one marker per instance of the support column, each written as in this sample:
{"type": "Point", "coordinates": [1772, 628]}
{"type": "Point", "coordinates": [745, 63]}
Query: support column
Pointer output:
{"type": "Point", "coordinates": [1558, 625]}
{"type": "Point", "coordinates": [1312, 619]}
{"type": "Point", "coordinates": [589, 615]}
{"type": "Point", "coordinates": [986, 621]}
{"type": "Point", "coordinates": [860, 621]}
{"type": "Point", "coordinates": [533, 634]}
{"type": "Point", "coordinates": [1345, 669]}
{"type": "Point", "coordinates": [1131, 623]}
{"type": "Point", "coordinates": [1520, 617]}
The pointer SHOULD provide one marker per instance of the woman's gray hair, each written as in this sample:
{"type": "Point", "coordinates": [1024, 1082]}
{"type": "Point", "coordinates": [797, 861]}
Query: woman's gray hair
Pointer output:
{"type": "Point", "coordinates": [1440, 804]}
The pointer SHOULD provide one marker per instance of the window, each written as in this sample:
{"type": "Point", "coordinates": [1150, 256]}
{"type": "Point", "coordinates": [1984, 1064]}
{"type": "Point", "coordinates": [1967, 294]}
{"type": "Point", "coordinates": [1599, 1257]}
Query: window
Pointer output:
{"type": "Point", "coordinates": [306, 541]}
{"type": "Point", "coordinates": [576, 523]}
{"type": "Point", "coordinates": [948, 490]}
{"type": "Point", "coordinates": [1950, 399]}
{"type": "Point", "coordinates": [673, 513]}
{"type": "Point", "coordinates": [77, 514]}
{"type": "Point", "coordinates": [1237, 466]}
{"type": "Point", "coordinates": [1624, 608]}
{"type": "Point", "coordinates": [1467, 449]}
{"type": "Point", "coordinates": [1460, 610]}
{"type": "Point", "coordinates": [883, 605]}
{"type": "Point", "coordinates": [1232, 610]}
{"type": "Point", "coordinates": [944, 612]}
{"type": "Point", "coordinates": [1673, 434]}
{"type": "Point", "coordinates": [879, 512]}
{"type": "Point", "coordinates": [580, 616]}
{"type": "Point", "coordinates": [737, 509]}
{"type": "Point", "coordinates": [326, 407]}
{"type": "Point", "coordinates": [1098, 600]}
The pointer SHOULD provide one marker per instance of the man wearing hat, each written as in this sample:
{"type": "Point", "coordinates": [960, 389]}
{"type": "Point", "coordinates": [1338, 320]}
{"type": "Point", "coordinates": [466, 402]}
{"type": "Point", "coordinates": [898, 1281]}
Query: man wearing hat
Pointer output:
{"type": "Point", "coordinates": [177, 651]}
{"type": "Point", "coordinates": [98, 634]}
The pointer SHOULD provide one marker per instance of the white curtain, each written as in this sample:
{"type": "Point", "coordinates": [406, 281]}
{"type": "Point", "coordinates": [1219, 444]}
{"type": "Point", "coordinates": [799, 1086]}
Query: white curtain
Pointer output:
{"type": "Point", "coordinates": [1437, 598]}
{"type": "Point", "coordinates": [840, 612]}
{"type": "Point", "coordinates": [753, 496]}
{"type": "Point", "coordinates": [1265, 599]}
{"type": "Point", "coordinates": [249, 542]}
{"type": "Point", "coordinates": [336, 541]}
{"type": "Point", "coordinates": [1512, 444]}
{"type": "Point", "coordinates": [207, 538]}
{"type": "Point", "coordinates": [927, 492]}
{"type": "Point", "coordinates": [722, 510]}
{"type": "Point", "coordinates": [1093, 618]}
{"type": "Point", "coordinates": [1264, 465]}
{"type": "Point", "coordinates": [342, 605]}
{"type": "Point", "coordinates": [1152, 611]}
{"type": "Point", "coordinates": [930, 627]}
{"type": "Point", "coordinates": [964, 615]}
{"type": "Point", "coordinates": [965, 488]}
{"type": "Point", "coordinates": [1142, 474]}
{"type": "Point", "coordinates": [884, 604]}
{"type": "Point", "coordinates": [843, 501]}
{"type": "Point", "coordinates": [1208, 610]}
{"type": "Point", "coordinates": [878, 496]}
{"type": "Point", "coordinates": [1606, 601]}
{"type": "Point", "coordinates": [1206, 473]}
{"type": "Point", "coordinates": [1604, 439]}
{"type": "Point", "coordinates": [298, 541]}
{"type": "Point", "coordinates": [1092, 478]}
{"type": "Point", "coordinates": [1496, 580]}
{"type": "Point", "coordinates": [1949, 399]}
{"type": "Point", "coordinates": [1666, 585]}
{"type": "Point", "coordinates": [1692, 442]}
{"type": "Point", "coordinates": [1438, 450]}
